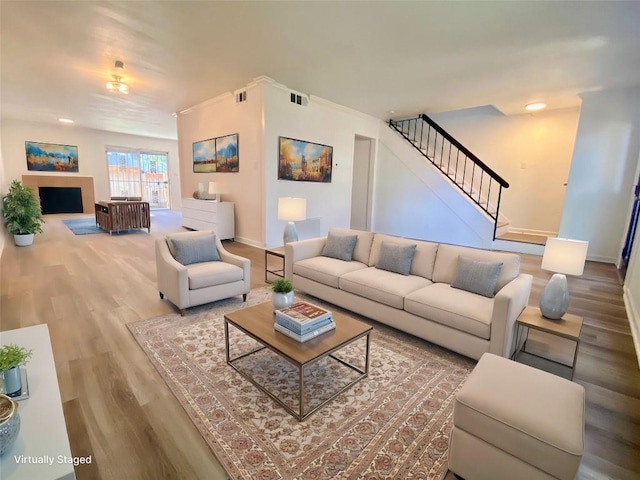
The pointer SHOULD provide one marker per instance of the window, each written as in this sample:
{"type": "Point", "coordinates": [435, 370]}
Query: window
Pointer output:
{"type": "Point", "coordinates": [137, 173]}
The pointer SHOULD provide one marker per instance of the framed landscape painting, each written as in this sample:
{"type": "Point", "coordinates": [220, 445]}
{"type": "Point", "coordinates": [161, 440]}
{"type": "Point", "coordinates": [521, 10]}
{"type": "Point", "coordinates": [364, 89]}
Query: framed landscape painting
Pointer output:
{"type": "Point", "coordinates": [204, 156]}
{"type": "Point", "coordinates": [304, 161]}
{"type": "Point", "coordinates": [51, 157]}
{"type": "Point", "coordinates": [227, 153]}
{"type": "Point", "coordinates": [218, 154]}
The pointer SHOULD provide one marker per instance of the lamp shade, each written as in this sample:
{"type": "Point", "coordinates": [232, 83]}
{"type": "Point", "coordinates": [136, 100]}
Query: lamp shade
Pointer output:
{"type": "Point", "coordinates": [563, 255]}
{"type": "Point", "coordinates": [213, 188]}
{"type": "Point", "coordinates": [292, 209]}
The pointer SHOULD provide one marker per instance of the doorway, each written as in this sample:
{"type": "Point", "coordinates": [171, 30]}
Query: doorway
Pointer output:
{"type": "Point", "coordinates": [631, 230]}
{"type": "Point", "coordinates": [144, 174]}
{"type": "Point", "coordinates": [362, 183]}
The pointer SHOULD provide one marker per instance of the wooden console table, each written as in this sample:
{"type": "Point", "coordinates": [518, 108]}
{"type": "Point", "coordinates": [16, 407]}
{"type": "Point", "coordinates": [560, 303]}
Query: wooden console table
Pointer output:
{"type": "Point", "coordinates": [117, 216]}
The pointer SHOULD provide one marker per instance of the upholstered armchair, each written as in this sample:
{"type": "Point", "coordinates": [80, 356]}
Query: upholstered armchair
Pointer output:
{"type": "Point", "coordinates": [193, 268]}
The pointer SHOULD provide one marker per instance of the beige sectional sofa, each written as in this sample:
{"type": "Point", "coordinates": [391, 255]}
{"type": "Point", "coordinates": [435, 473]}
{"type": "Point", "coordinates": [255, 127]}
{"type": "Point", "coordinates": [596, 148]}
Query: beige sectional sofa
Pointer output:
{"type": "Point", "coordinates": [423, 303]}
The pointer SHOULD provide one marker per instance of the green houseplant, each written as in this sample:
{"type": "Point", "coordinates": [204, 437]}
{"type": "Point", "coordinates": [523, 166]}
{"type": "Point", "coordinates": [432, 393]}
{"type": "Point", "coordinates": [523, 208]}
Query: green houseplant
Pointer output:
{"type": "Point", "coordinates": [22, 213]}
{"type": "Point", "coordinates": [11, 357]}
{"type": "Point", "coordinates": [282, 293]}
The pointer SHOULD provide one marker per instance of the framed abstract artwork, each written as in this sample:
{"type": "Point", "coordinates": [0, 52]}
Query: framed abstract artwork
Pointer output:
{"type": "Point", "coordinates": [218, 154]}
{"type": "Point", "coordinates": [303, 161]}
{"type": "Point", "coordinates": [51, 157]}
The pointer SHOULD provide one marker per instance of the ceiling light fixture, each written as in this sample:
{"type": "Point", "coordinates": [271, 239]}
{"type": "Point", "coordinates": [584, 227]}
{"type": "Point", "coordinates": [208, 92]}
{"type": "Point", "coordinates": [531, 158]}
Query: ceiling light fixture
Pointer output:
{"type": "Point", "coordinates": [532, 107]}
{"type": "Point", "coordinates": [117, 85]}
{"type": "Point", "coordinates": [65, 120]}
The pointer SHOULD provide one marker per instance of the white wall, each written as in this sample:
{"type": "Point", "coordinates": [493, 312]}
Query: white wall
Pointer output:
{"type": "Point", "coordinates": [3, 231]}
{"type": "Point", "coordinates": [631, 287]}
{"type": "Point", "coordinates": [532, 152]}
{"type": "Point", "coordinates": [319, 122]}
{"type": "Point", "coordinates": [223, 116]}
{"type": "Point", "coordinates": [602, 172]}
{"type": "Point", "coordinates": [92, 158]}
{"type": "Point", "coordinates": [413, 199]}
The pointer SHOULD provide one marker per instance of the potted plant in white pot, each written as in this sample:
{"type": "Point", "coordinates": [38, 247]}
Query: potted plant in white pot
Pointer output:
{"type": "Point", "coordinates": [11, 357]}
{"type": "Point", "coordinates": [22, 213]}
{"type": "Point", "coordinates": [282, 293]}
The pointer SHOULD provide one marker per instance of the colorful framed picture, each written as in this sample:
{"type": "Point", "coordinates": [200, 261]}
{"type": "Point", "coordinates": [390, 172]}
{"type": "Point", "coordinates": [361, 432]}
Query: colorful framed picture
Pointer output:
{"type": "Point", "coordinates": [204, 156]}
{"type": "Point", "coordinates": [218, 154]}
{"type": "Point", "coordinates": [303, 161]}
{"type": "Point", "coordinates": [51, 157]}
{"type": "Point", "coordinates": [227, 153]}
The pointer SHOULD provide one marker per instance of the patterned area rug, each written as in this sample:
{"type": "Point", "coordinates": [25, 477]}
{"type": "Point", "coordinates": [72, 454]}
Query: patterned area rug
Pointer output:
{"type": "Point", "coordinates": [393, 424]}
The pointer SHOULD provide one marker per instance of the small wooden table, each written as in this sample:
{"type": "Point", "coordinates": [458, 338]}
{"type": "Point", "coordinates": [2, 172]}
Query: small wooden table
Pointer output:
{"type": "Point", "coordinates": [274, 252]}
{"type": "Point", "coordinates": [257, 322]}
{"type": "Point", "coordinates": [117, 216]}
{"type": "Point", "coordinates": [569, 327]}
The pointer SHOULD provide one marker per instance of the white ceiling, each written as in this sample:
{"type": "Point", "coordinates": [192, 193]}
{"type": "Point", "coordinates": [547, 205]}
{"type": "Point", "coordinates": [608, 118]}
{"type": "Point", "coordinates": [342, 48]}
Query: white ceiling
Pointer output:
{"type": "Point", "coordinates": [375, 57]}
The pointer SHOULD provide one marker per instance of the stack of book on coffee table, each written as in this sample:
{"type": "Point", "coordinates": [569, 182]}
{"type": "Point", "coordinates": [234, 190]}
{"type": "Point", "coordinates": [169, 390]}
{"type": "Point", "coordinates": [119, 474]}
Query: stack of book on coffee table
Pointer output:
{"type": "Point", "coordinates": [303, 321]}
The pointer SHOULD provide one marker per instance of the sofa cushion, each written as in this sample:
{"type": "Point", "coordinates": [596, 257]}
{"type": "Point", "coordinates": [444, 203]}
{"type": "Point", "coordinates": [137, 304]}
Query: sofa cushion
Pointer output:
{"type": "Point", "coordinates": [455, 308]}
{"type": "Point", "coordinates": [396, 258]}
{"type": "Point", "coordinates": [477, 277]}
{"type": "Point", "coordinates": [444, 270]}
{"type": "Point", "coordinates": [362, 251]}
{"type": "Point", "coordinates": [325, 270]}
{"type": "Point", "coordinates": [202, 275]}
{"type": "Point", "coordinates": [423, 259]}
{"type": "Point", "coordinates": [533, 415]}
{"type": "Point", "coordinates": [340, 246]}
{"type": "Point", "coordinates": [196, 249]}
{"type": "Point", "coordinates": [196, 233]}
{"type": "Point", "coordinates": [381, 286]}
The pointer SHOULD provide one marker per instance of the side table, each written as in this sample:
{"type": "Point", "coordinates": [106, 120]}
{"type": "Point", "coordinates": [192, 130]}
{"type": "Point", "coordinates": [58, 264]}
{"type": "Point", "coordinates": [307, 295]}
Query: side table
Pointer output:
{"type": "Point", "coordinates": [273, 252]}
{"type": "Point", "coordinates": [569, 327]}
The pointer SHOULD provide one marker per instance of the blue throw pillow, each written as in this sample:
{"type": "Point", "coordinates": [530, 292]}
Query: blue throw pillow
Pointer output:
{"type": "Point", "coordinates": [476, 276]}
{"type": "Point", "coordinates": [340, 246]}
{"type": "Point", "coordinates": [396, 258]}
{"type": "Point", "coordinates": [195, 249]}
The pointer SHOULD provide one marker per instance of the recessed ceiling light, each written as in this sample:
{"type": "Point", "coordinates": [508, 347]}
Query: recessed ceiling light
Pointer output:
{"type": "Point", "coordinates": [65, 120]}
{"type": "Point", "coordinates": [532, 107]}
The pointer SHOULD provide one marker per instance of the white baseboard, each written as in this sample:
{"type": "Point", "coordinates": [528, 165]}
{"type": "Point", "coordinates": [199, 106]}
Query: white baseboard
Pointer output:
{"type": "Point", "coordinates": [517, 247]}
{"type": "Point", "coordinates": [248, 241]}
{"type": "Point", "coordinates": [633, 314]}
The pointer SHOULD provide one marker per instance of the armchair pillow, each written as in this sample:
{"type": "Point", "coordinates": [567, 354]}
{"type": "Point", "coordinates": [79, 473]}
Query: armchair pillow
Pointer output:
{"type": "Point", "coordinates": [396, 258]}
{"type": "Point", "coordinates": [195, 249]}
{"type": "Point", "coordinates": [340, 246]}
{"type": "Point", "coordinates": [476, 276]}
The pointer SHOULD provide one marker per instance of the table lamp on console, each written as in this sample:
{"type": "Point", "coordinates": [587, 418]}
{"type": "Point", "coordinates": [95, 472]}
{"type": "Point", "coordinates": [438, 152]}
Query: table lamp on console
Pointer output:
{"type": "Point", "coordinates": [564, 257]}
{"type": "Point", "coordinates": [291, 210]}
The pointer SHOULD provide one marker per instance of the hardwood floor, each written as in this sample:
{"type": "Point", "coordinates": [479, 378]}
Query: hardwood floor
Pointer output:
{"type": "Point", "coordinates": [119, 410]}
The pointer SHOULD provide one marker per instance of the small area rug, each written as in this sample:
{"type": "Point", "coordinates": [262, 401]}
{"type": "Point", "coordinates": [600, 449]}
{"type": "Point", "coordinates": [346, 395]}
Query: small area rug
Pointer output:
{"type": "Point", "coordinates": [83, 226]}
{"type": "Point", "coordinates": [393, 424]}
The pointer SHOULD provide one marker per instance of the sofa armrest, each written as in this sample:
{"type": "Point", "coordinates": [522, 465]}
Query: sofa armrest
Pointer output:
{"type": "Point", "coordinates": [237, 260]}
{"type": "Point", "coordinates": [172, 277]}
{"type": "Point", "coordinates": [508, 304]}
{"type": "Point", "coordinates": [296, 251]}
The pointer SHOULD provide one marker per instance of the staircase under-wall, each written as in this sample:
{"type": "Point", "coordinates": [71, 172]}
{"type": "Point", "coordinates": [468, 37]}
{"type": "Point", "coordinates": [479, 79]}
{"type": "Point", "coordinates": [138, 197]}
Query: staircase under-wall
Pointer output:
{"type": "Point", "coordinates": [465, 170]}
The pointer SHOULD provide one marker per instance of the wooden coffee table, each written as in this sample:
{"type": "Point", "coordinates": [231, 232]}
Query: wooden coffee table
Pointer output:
{"type": "Point", "coordinates": [257, 323]}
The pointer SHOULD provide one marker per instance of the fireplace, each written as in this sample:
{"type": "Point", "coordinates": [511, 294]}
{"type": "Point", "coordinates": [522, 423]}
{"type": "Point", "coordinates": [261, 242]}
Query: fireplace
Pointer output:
{"type": "Point", "coordinates": [84, 184]}
{"type": "Point", "coordinates": [60, 199]}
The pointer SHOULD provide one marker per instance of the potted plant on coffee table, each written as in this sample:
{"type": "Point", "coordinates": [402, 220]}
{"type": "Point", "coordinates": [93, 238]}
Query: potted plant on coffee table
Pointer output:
{"type": "Point", "coordinates": [11, 357]}
{"type": "Point", "coordinates": [22, 213]}
{"type": "Point", "coordinates": [282, 293]}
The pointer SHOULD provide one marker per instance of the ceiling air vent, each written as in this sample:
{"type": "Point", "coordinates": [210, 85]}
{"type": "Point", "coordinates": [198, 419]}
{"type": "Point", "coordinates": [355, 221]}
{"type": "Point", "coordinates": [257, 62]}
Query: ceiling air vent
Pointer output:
{"type": "Point", "coordinates": [299, 99]}
{"type": "Point", "coordinates": [241, 96]}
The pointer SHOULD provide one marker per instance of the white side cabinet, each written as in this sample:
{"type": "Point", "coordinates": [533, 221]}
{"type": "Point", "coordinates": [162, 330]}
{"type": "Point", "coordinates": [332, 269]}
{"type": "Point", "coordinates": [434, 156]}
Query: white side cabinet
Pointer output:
{"type": "Point", "coordinates": [209, 215]}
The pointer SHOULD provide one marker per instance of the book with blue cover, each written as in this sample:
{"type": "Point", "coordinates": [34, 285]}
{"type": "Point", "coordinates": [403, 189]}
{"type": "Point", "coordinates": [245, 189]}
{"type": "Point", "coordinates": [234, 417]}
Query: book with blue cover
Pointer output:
{"type": "Point", "coordinates": [304, 338]}
{"type": "Point", "coordinates": [294, 327]}
{"type": "Point", "coordinates": [302, 316]}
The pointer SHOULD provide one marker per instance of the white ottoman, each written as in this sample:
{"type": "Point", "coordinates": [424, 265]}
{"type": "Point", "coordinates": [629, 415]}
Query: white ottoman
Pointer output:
{"type": "Point", "coordinates": [514, 421]}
